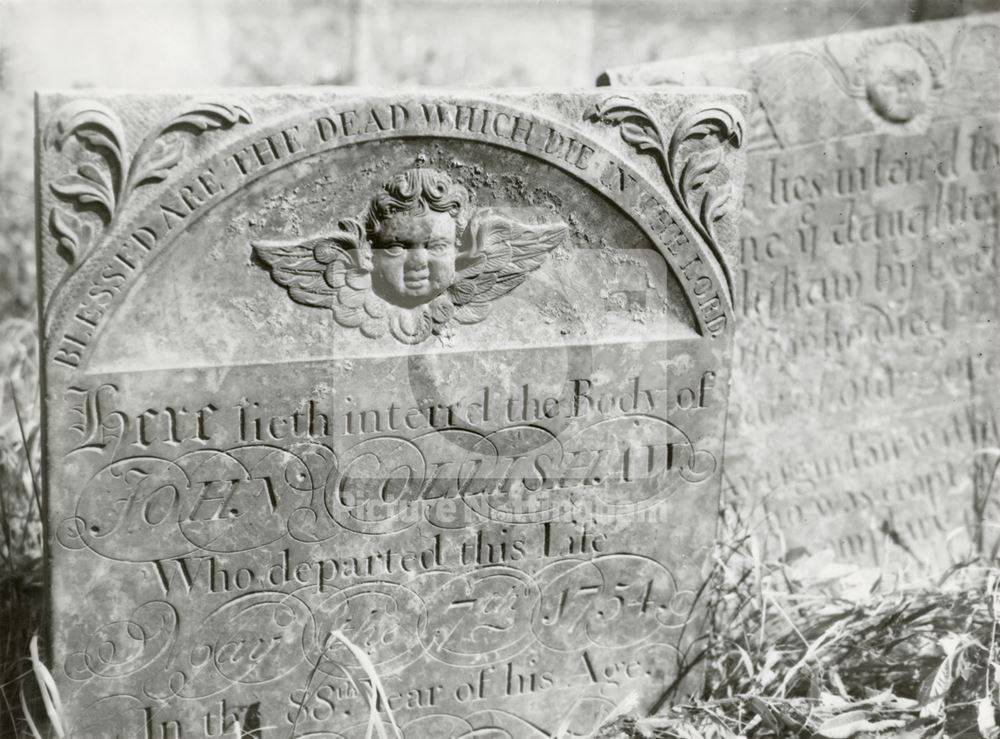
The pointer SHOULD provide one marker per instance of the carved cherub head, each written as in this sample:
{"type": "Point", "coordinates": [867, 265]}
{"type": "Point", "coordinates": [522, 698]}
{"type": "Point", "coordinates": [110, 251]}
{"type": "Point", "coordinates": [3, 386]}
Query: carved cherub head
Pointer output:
{"type": "Point", "coordinates": [413, 225]}
{"type": "Point", "coordinates": [898, 81]}
{"type": "Point", "coordinates": [414, 262]}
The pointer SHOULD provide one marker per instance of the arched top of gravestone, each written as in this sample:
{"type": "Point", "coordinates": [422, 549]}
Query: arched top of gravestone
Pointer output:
{"type": "Point", "coordinates": [367, 225]}
{"type": "Point", "coordinates": [895, 81]}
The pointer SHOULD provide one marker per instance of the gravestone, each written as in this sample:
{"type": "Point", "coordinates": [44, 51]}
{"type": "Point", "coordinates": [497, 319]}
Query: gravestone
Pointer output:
{"type": "Point", "coordinates": [863, 412]}
{"type": "Point", "coordinates": [368, 405]}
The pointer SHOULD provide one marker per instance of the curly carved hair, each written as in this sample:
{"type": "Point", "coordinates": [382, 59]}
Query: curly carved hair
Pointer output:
{"type": "Point", "coordinates": [416, 190]}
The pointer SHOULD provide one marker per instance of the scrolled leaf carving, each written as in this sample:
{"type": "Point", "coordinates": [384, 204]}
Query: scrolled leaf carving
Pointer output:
{"type": "Point", "coordinates": [100, 130]}
{"type": "Point", "coordinates": [85, 190]}
{"type": "Point", "coordinates": [162, 151]}
{"type": "Point", "coordinates": [93, 123]}
{"type": "Point", "coordinates": [66, 227]}
{"type": "Point", "coordinates": [717, 204]}
{"type": "Point", "coordinates": [685, 169]}
{"type": "Point", "coordinates": [697, 169]}
{"type": "Point", "coordinates": [207, 116]}
{"type": "Point", "coordinates": [106, 175]}
{"type": "Point", "coordinates": [164, 156]}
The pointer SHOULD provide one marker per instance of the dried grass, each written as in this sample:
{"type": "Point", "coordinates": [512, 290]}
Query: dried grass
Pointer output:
{"type": "Point", "coordinates": [370, 687]}
{"type": "Point", "coordinates": [804, 649]}
{"type": "Point", "coordinates": [21, 580]}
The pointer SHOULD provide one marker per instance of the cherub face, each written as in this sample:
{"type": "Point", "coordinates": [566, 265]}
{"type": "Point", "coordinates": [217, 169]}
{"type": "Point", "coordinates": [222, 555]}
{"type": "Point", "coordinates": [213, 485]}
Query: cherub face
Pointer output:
{"type": "Point", "coordinates": [898, 82]}
{"type": "Point", "coordinates": [414, 257]}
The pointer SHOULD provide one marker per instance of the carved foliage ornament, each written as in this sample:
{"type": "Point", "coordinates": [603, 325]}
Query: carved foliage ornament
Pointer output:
{"type": "Point", "coordinates": [102, 183]}
{"type": "Point", "coordinates": [685, 170]}
{"type": "Point", "coordinates": [415, 262]}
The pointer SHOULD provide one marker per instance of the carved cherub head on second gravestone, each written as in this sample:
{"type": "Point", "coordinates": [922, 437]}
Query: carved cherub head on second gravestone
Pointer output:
{"type": "Point", "coordinates": [419, 394]}
{"type": "Point", "coordinates": [863, 415]}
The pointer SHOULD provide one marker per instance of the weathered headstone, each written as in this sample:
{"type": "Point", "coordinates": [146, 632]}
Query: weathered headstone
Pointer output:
{"type": "Point", "coordinates": [343, 386]}
{"type": "Point", "coordinates": [863, 415]}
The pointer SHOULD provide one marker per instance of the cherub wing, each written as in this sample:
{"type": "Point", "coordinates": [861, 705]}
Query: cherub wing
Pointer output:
{"type": "Point", "coordinates": [331, 271]}
{"type": "Point", "coordinates": [294, 266]}
{"type": "Point", "coordinates": [502, 252]}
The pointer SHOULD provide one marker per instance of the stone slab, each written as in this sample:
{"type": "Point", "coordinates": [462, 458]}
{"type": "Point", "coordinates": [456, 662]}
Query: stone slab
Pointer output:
{"type": "Point", "coordinates": [863, 416]}
{"type": "Point", "coordinates": [345, 384]}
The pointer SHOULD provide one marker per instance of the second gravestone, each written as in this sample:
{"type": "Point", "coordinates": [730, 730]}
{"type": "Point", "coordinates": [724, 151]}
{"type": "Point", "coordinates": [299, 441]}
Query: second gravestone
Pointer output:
{"type": "Point", "coordinates": [864, 411]}
{"type": "Point", "coordinates": [406, 406]}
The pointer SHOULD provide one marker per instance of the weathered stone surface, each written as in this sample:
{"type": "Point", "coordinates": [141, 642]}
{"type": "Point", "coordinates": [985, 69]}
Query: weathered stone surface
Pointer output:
{"type": "Point", "coordinates": [435, 379]}
{"type": "Point", "coordinates": [863, 415]}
